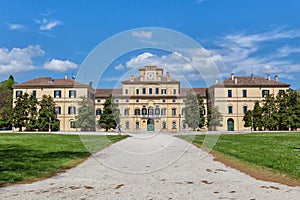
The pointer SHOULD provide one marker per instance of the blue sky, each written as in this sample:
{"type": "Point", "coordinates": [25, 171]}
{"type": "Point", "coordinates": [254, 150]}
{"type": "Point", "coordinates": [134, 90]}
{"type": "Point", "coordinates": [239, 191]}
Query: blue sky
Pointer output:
{"type": "Point", "coordinates": [52, 38]}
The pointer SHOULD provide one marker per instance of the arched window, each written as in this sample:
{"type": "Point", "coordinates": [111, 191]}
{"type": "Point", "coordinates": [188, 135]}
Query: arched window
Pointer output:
{"type": "Point", "coordinates": [144, 111]}
{"type": "Point", "coordinates": [157, 111]}
{"type": "Point", "coordinates": [150, 111]}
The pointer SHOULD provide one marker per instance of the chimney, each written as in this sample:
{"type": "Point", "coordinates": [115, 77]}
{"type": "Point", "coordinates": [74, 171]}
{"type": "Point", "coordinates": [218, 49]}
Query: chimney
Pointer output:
{"type": "Point", "coordinates": [235, 80]}
{"type": "Point", "coordinates": [276, 78]}
{"type": "Point", "coordinates": [168, 76]}
{"type": "Point", "coordinates": [269, 77]}
{"type": "Point", "coordinates": [217, 81]}
{"type": "Point", "coordinates": [66, 76]}
{"type": "Point", "coordinates": [252, 76]}
{"type": "Point", "coordinates": [131, 77]}
{"type": "Point", "coordinates": [232, 76]}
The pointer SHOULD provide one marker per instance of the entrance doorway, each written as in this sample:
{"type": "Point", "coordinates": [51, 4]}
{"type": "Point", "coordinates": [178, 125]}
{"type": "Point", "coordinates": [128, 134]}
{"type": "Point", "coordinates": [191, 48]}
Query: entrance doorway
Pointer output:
{"type": "Point", "coordinates": [230, 124]}
{"type": "Point", "coordinates": [150, 125]}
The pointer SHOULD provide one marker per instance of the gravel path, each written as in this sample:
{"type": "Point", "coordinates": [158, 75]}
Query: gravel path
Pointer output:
{"type": "Point", "coordinates": [151, 167]}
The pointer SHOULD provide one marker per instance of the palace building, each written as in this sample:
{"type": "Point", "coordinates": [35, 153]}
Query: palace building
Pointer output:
{"type": "Point", "coordinates": [153, 101]}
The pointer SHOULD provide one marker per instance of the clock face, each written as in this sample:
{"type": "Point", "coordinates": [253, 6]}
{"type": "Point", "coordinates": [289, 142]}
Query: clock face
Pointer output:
{"type": "Point", "coordinates": [150, 75]}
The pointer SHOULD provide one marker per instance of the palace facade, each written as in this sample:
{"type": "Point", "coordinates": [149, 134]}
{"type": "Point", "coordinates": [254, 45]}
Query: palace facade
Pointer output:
{"type": "Point", "coordinates": [153, 101]}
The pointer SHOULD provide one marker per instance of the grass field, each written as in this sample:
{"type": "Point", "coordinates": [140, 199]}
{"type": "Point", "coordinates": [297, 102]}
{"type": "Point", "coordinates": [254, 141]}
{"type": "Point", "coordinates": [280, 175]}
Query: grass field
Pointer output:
{"type": "Point", "coordinates": [28, 157]}
{"type": "Point", "coordinates": [277, 151]}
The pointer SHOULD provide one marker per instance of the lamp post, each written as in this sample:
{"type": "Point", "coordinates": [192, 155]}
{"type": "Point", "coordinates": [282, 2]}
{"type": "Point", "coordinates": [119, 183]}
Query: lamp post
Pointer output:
{"type": "Point", "coordinates": [49, 124]}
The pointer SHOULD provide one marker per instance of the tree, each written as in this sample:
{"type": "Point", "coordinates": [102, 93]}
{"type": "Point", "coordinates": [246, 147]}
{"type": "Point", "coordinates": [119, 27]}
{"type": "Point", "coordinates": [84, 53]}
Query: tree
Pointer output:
{"type": "Point", "coordinates": [270, 113]}
{"type": "Point", "coordinates": [257, 116]}
{"type": "Point", "coordinates": [32, 113]}
{"type": "Point", "coordinates": [201, 112]}
{"type": "Point", "coordinates": [6, 102]}
{"type": "Point", "coordinates": [86, 116]}
{"type": "Point", "coordinates": [110, 116]}
{"type": "Point", "coordinates": [191, 111]}
{"type": "Point", "coordinates": [47, 114]}
{"type": "Point", "coordinates": [248, 117]}
{"type": "Point", "coordinates": [214, 118]}
{"type": "Point", "coordinates": [20, 112]}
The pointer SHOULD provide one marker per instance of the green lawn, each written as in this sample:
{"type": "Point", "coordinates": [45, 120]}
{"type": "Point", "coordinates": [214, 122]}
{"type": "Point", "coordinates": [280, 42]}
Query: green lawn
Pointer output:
{"type": "Point", "coordinates": [277, 151]}
{"type": "Point", "coordinates": [27, 157]}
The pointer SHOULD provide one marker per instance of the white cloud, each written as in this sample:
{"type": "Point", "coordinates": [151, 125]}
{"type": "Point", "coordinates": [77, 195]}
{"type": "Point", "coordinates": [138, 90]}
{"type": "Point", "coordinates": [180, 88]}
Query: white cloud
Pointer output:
{"type": "Point", "coordinates": [18, 60]}
{"type": "Point", "coordinates": [48, 25]}
{"type": "Point", "coordinates": [60, 65]}
{"type": "Point", "coordinates": [199, 1]}
{"type": "Point", "coordinates": [119, 67]}
{"type": "Point", "coordinates": [142, 34]}
{"type": "Point", "coordinates": [248, 53]}
{"type": "Point", "coordinates": [15, 26]}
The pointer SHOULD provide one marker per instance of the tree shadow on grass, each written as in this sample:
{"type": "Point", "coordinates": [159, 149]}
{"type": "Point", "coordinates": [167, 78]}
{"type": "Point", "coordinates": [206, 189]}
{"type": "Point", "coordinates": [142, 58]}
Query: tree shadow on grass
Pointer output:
{"type": "Point", "coordinates": [21, 163]}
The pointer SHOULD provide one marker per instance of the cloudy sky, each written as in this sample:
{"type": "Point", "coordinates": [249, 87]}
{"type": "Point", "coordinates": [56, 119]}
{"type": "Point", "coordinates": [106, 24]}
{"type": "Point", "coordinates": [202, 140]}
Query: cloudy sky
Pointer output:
{"type": "Point", "coordinates": [52, 38]}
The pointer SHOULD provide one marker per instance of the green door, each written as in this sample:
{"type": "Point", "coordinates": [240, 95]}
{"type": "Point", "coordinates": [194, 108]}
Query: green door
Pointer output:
{"type": "Point", "coordinates": [230, 125]}
{"type": "Point", "coordinates": [150, 125]}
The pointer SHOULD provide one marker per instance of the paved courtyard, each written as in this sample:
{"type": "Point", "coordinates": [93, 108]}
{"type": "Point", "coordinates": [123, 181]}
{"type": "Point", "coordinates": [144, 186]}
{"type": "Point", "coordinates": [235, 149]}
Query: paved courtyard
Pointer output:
{"type": "Point", "coordinates": [148, 166]}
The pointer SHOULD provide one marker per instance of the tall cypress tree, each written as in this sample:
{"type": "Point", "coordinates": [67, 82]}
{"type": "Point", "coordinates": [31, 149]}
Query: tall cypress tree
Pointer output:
{"type": "Point", "coordinates": [110, 117]}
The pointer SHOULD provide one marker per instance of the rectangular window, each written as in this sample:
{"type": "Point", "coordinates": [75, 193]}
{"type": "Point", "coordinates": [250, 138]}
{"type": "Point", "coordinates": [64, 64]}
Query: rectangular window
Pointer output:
{"type": "Point", "coordinates": [72, 94]}
{"type": "Point", "coordinates": [173, 124]}
{"type": "Point", "coordinates": [163, 111]}
{"type": "Point", "coordinates": [173, 111]}
{"type": "Point", "coordinates": [230, 109]}
{"type": "Point", "coordinates": [163, 91]}
{"type": "Point", "coordinates": [57, 94]}
{"type": "Point", "coordinates": [126, 111]}
{"type": "Point", "coordinates": [244, 93]}
{"type": "Point", "coordinates": [229, 93]}
{"type": "Point", "coordinates": [57, 110]}
{"type": "Point", "coordinates": [137, 125]}
{"type": "Point", "coordinates": [98, 112]}
{"type": "Point", "coordinates": [265, 93]}
{"type": "Point", "coordinates": [156, 90]}
{"type": "Point", "coordinates": [174, 91]}
{"type": "Point", "coordinates": [34, 93]}
{"type": "Point", "coordinates": [18, 93]}
{"type": "Point", "coordinates": [245, 108]}
{"type": "Point", "coordinates": [150, 90]}
{"type": "Point", "coordinates": [72, 110]}
{"type": "Point", "coordinates": [144, 90]}
{"type": "Point", "coordinates": [126, 91]}
{"type": "Point", "coordinates": [137, 91]}
{"type": "Point", "coordinates": [127, 125]}
{"type": "Point", "coordinates": [164, 125]}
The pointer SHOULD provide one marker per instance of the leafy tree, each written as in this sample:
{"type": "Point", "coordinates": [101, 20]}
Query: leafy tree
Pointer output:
{"type": "Point", "coordinates": [191, 111]}
{"type": "Point", "coordinates": [201, 112]}
{"type": "Point", "coordinates": [86, 116]}
{"type": "Point", "coordinates": [20, 112]}
{"type": "Point", "coordinates": [248, 118]}
{"type": "Point", "coordinates": [6, 102]}
{"type": "Point", "coordinates": [110, 116]}
{"type": "Point", "coordinates": [257, 116]}
{"type": "Point", "coordinates": [270, 113]}
{"type": "Point", "coordinates": [32, 112]}
{"type": "Point", "coordinates": [214, 118]}
{"type": "Point", "coordinates": [47, 113]}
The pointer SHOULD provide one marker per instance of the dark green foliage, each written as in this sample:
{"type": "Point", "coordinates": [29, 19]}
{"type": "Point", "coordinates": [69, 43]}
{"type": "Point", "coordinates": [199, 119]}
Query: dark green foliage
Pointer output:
{"type": "Point", "coordinates": [277, 113]}
{"type": "Point", "coordinates": [47, 114]}
{"type": "Point", "coordinates": [201, 112]}
{"type": "Point", "coordinates": [6, 102]}
{"type": "Point", "coordinates": [86, 116]}
{"type": "Point", "coordinates": [191, 111]}
{"type": "Point", "coordinates": [248, 118]}
{"type": "Point", "coordinates": [214, 118]}
{"type": "Point", "coordinates": [20, 112]}
{"type": "Point", "coordinates": [110, 117]}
